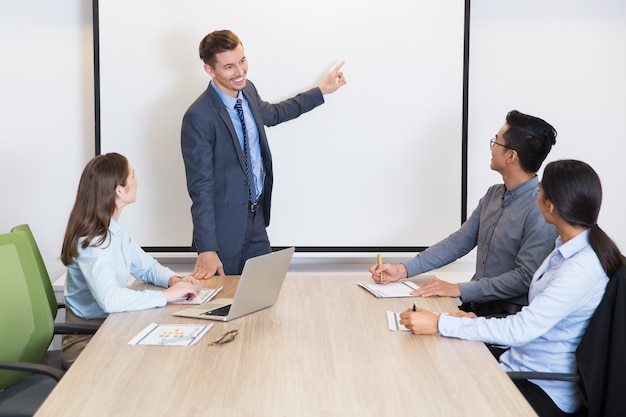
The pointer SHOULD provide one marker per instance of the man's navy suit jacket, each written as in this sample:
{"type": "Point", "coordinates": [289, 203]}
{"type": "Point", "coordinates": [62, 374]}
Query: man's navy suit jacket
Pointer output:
{"type": "Point", "coordinates": [215, 165]}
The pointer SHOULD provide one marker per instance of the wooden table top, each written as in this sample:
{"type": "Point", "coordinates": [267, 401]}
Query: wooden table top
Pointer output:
{"type": "Point", "coordinates": [324, 349]}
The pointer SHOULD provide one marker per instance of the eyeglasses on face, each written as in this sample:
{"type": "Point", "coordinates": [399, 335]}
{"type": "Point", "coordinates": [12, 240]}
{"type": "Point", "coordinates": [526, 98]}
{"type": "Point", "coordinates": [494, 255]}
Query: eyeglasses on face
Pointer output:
{"type": "Point", "coordinates": [225, 338]}
{"type": "Point", "coordinates": [493, 142]}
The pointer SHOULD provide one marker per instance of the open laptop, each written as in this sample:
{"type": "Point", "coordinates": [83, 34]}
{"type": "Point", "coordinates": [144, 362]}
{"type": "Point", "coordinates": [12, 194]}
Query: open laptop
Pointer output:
{"type": "Point", "coordinates": [259, 286]}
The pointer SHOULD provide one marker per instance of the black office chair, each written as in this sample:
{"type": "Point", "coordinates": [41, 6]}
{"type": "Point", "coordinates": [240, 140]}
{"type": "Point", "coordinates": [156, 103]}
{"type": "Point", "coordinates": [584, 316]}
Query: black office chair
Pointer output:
{"type": "Point", "coordinates": [600, 356]}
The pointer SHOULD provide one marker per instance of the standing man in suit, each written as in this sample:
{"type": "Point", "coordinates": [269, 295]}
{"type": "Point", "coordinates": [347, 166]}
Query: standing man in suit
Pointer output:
{"type": "Point", "coordinates": [227, 156]}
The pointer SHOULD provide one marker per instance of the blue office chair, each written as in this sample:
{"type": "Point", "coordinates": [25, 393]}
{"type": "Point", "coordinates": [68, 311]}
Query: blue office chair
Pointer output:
{"type": "Point", "coordinates": [26, 329]}
{"type": "Point", "coordinates": [600, 356]}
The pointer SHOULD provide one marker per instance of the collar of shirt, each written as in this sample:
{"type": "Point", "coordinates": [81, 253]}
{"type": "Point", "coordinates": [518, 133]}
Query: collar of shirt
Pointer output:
{"type": "Point", "coordinates": [563, 251]}
{"type": "Point", "coordinates": [523, 188]}
{"type": "Point", "coordinates": [573, 245]}
{"type": "Point", "coordinates": [228, 101]}
{"type": "Point", "coordinates": [115, 227]}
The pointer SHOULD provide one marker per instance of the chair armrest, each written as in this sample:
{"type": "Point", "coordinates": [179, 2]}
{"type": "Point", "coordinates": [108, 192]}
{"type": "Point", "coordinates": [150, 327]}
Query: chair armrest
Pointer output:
{"type": "Point", "coordinates": [34, 368]}
{"type": "Point", "coordinates": [544, 376]}
{"type": "Point", "coordinates": [76, 328]}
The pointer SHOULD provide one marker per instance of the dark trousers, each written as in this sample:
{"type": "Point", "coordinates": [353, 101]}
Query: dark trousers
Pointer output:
{"type": "Point", "coordinates": [540, 401]}
{"type": "Point", "coordinates": [491, 309]}
{"type": "Point", "coordinates": [255, 243]}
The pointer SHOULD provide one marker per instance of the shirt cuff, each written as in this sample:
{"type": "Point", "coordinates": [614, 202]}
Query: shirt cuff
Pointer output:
{"type": "Point", "coordinates": [468, 291]}
{"type": "Point", "coordinates": [446, 325]}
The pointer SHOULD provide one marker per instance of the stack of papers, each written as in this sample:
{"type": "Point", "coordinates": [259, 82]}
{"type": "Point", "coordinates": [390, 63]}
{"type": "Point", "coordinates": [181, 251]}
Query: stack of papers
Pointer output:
{"type": "Point", "coordinates": [391, 290]}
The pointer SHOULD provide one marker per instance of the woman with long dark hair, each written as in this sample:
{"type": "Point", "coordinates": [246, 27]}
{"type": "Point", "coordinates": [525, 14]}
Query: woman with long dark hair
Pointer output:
{"type": "Point", "coordinates": [101, 257]}
{"type": "Point", "coordinates": [564, 292]}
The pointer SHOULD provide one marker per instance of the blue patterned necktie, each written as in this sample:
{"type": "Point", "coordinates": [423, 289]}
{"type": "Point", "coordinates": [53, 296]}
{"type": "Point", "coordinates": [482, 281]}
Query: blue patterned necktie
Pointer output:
{"type": "Point", "coordinates": [246, 150]}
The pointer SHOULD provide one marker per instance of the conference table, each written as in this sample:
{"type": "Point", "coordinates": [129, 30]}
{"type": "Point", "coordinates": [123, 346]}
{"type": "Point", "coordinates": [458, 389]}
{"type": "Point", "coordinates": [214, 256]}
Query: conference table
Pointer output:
{"type": "Point", "coordinates": [324, 349]}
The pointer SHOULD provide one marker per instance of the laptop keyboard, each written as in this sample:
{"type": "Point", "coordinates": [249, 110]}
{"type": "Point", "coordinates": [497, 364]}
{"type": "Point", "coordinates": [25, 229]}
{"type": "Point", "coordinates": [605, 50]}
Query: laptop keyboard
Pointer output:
{"type": "Point", "coordinates": [221, 312]}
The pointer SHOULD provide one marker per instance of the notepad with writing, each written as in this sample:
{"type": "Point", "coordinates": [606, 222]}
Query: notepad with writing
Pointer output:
{"type": "Point", "coordinates": [205, 294]}
{"type": "Point", "coordinates": [391, 290]}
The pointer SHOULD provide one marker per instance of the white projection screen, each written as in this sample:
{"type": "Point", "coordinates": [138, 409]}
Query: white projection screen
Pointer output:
{"type": "Point", "coordinates": [378, 166]}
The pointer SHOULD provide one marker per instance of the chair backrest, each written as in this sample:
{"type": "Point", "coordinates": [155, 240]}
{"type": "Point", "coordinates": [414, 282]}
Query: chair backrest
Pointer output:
{"type": "Point", "coordinates": [601, 355]}
{"type": "Point", "coordinates": [41, 266]}
{"type": "Point", "coordinates": [26, 325]}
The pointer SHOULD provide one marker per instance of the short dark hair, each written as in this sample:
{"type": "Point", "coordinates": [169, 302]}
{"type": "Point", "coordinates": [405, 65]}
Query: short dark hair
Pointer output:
{"type": "Point", "coordinates": [531, 137]}
{"type": "Point", "coordinates": [576, 192]}
{"type": "Point", "coordinates": [217, 42]}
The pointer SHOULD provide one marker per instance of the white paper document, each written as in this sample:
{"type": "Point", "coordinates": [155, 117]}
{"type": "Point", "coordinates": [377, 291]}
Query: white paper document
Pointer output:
{"type": "Point", "coordinates": [203, 296]}
{"type": "Point", "coordinates": [170, 334]}
{"type": "Point", "coordinates": [391, 290]}
{"type": "Point", "coordinates": [393, 321]}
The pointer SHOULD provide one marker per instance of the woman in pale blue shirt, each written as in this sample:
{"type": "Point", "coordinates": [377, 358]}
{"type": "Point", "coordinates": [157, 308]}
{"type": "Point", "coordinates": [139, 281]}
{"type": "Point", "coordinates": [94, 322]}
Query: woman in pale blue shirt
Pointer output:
{"type": "Point", "coordinates": [563, 294]}
{"type": "Point", "coordinates": [101, 257]}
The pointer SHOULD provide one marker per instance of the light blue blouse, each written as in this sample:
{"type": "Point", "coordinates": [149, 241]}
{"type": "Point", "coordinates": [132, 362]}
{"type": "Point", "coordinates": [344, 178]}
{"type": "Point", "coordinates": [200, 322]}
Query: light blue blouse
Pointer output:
{"type": "Point", "coordinates": [95, 284]}
{"type": "Point", "coordinates": [563, 294]}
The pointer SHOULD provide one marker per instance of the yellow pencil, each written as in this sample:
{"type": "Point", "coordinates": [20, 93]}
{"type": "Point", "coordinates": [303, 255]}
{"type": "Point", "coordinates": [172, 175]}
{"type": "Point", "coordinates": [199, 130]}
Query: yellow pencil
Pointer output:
{"type": "Point", "coordinates": [380, 262]}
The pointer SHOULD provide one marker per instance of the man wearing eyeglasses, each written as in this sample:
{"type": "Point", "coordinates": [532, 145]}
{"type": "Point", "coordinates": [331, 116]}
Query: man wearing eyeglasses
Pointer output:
{"type": "Point", "coordinates": [509, 231]}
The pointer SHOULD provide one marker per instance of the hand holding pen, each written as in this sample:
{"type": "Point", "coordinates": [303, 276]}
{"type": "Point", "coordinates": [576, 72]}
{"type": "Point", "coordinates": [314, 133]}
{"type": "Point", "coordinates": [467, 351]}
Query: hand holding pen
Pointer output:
{"type": "Point", "coordinates": [386, 273]}
{"type": "Point", "coordinates": [420, 321]}
{"type": "Point", "coordinates": [180, 291]}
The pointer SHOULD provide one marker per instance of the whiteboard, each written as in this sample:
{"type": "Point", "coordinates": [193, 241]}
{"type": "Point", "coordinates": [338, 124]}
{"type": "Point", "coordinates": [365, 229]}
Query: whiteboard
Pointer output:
{"type": "Point", "coordinates": [377, 166]}
{"type": "Point", "coordinates": [561, 60]}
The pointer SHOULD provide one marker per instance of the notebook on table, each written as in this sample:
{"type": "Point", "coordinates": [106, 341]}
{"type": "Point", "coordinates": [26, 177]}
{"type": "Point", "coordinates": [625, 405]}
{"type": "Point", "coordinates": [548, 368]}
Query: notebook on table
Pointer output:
{"type": "Point", "coordinates": [259, 287]}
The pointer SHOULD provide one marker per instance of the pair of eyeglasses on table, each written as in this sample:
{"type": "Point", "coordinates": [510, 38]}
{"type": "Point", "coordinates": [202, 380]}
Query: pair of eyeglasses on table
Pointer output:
{"type": "Point", "coordinates": [225, 338]}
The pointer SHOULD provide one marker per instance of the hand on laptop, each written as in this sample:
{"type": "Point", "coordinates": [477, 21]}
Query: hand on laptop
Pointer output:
{"type": "Point", "coordinates": [207, 265]}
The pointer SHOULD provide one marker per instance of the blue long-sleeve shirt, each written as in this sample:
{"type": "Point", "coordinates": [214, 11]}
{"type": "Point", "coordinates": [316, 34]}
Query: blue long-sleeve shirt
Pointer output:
{"type": "Point", "coordinates": [512, 238]}
{"type": "Point", "coordinates": [95, 283]}
{"type": "Point", "coordinates": [564, 293]}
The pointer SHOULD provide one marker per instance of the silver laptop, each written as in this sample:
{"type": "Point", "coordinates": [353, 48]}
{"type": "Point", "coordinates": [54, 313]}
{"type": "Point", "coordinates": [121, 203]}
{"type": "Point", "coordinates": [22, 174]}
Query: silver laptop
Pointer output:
{"type": "Point", "coordinates": [259, 286]}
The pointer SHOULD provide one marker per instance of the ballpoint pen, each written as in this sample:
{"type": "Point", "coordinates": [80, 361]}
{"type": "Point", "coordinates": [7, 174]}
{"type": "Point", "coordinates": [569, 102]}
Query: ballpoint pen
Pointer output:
{"type": "Point", "coordinates": [380, 262]}
{"type": "Point", "coordinates": [414, 306]}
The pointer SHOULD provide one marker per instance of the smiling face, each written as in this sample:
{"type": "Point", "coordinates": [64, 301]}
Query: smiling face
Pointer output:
{"type": "Point", "coordinates": [229, 71]}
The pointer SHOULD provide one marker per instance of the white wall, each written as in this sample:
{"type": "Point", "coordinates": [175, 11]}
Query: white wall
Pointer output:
{"type": "Point", "coordinates": [46, 115]}
{"type": "Point", "coordinates": [576, 82]}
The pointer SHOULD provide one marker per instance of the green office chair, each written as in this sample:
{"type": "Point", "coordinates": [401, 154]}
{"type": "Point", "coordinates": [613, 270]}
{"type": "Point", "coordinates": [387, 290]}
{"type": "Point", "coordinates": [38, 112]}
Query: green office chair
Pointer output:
{"type": "Point", "coordinates": [26, 328]}
{"type": "Point", "coordinates": [41, 267]}
{"type": "Point", "coordinates": [43, 276]}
